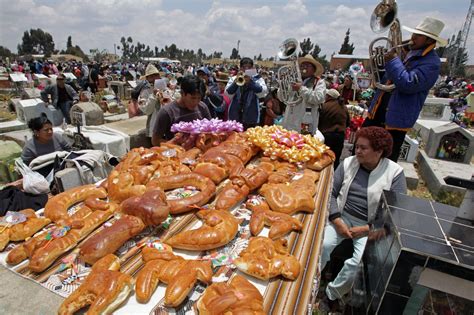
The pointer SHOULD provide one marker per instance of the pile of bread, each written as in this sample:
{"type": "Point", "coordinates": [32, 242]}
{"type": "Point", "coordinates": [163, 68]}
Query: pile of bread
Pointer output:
{"type": "Point", "coordinates": [134, 197]}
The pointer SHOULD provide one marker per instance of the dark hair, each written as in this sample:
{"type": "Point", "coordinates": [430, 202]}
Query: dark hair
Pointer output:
{"type": "Point", "coordinates": [379, 139]}
{"type": "Point", "coordinates": [246, 61]}
{"type": "Point", "coordinates": [35, 124]}
{"type": "Point", "coordinates": [192, 84]}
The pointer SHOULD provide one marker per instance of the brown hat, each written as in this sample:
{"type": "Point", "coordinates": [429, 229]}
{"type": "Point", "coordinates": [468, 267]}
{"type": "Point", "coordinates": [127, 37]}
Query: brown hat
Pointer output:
{"type": "Point", "coordinates": [308, 58]}
{"type": "Point", "coordinates": [222, 77]}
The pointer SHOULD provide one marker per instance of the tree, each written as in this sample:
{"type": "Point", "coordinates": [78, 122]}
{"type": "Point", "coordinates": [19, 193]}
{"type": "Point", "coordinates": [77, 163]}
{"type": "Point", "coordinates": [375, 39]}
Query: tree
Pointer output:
{"type": "Point", "coordinates": [305, 47]}
{"type": "Point", "coordinates": [259, 58]}
{"type": "Point", "coordinates": [346, 48]}
{"type": "Point", "coordinates": [69, 42]}
{"type": "Point", "coordinates": [5, 52]}
{"type": "Point", "coordinates": [36, 41]}
{"type": "Point", "coordinates": [74, 50]}
{"type": "Point", "coordinates": [321, 59]}
{"type": "Point", "coordinates": [234, 54]}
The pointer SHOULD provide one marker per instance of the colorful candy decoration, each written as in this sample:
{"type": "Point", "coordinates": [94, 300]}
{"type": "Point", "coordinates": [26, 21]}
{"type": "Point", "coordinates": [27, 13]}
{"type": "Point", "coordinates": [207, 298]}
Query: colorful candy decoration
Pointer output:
{"type": "Point", "coordinates": [277, 142]}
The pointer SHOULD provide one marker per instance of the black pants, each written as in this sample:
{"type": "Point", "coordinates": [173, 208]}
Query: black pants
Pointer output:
{"type": "Point", "coordinates": [335, 140]}
{"type": "Point", "coordinates": [397, 135]}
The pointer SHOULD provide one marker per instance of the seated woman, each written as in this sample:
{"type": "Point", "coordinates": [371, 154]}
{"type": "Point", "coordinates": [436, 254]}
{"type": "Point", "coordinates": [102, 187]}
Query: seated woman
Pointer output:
{"type": "Point", "coordinates": [44, 141]}
{"type": "Point", "coordinates": [358, 185]}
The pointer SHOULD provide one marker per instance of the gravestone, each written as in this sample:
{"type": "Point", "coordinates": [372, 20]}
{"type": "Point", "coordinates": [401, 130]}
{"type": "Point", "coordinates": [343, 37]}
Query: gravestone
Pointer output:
{"type": "Point", "coordinates": [409, 150]}
{"type": "Point", "coordinates": [436, 108]}
{"type": "Point", "coordinates": [35, 107]}
{"type": "Point", "coordinates": [119, 88]}
{"type": "Point", "coordinates": [450, 143]}
{"type": "Point", "coordinates": [28, 93]}
{"type": "Point", "coordinates": [92, 112]}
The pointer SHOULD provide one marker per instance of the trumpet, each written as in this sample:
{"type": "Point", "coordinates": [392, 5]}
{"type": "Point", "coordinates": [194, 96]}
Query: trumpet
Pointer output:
{"type": "Point", "coordinates": [240, 79]}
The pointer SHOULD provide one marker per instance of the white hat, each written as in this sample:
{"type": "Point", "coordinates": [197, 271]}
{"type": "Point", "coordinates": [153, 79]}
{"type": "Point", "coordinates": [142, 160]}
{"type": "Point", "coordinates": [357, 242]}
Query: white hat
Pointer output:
{"type": "Point", "coordinates": [150, 70]}
{"type": "Point", "coordinates": [333, 93]}
{"type": "Point", "coordinates": [429, 27]}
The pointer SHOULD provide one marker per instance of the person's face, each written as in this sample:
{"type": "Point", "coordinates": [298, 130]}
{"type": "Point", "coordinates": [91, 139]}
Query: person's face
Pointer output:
{"type": "Point", "coordinates": [153, 77]}
{"type": "Point", "coordinates": [45, 134]}
{"type": "Point", "coordinates": [202, 76]}
{"type": "Point", "coordinates": [365, 154]}
{"type": "Point", "coordinates": [60, 83]}
{"type": "Point", "coordinates": [307, 69]}
{"type": "Point", "coordinates": [246, 66]}
{"type": "Point", "coordinates": [347, 82]}
{"type": "Point", "coordinates": [419, 41]}
{"type": "Point", "coordinates": [191, 101]}
{"type": "Point", "coordinates": [221, 85]}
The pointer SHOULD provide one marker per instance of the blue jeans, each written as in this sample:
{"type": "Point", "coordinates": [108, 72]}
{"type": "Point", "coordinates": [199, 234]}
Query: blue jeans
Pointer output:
{"type": "Point", "coordinates": [345, 278]}
{"type": "Point", "coordinates": [65, 108]}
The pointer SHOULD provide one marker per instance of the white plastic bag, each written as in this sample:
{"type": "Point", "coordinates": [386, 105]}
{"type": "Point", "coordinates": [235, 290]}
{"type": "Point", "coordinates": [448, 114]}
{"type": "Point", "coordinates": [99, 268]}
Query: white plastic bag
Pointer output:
{"type": "Point", "coordinates": [33, 182]}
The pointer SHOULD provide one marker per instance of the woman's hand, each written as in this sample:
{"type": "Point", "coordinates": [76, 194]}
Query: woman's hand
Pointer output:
{"type": "Point", "coordinates": [341, 228]}
{"type": "Point", "coordinates": [359, 231]}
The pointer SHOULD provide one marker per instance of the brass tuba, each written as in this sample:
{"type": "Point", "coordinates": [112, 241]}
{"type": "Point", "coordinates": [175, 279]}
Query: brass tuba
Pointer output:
{"type": "Point", "coordinates": [289, 74]}
{"type": "Point", "coordinates": [383, 18]}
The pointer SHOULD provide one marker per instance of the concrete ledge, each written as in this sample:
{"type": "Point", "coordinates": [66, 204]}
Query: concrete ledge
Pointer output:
{"type": "Point", "coordinates": [410, 174]}
{"type": "Point", "coordinates": [435, 179]}
{"type": "Point", "coordinates": [135, 128]}
{"type": "Point", "coordinates": [12, 125]}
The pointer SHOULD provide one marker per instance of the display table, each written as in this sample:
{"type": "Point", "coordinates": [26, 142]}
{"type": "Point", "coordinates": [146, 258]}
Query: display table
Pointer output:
{"type": "Point", "coordinates": [280, 296]}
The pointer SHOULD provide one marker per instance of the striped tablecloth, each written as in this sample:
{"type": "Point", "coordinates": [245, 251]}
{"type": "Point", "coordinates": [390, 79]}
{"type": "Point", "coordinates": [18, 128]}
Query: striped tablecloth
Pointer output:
{"type": "Point", "coordinates": [280, 296]}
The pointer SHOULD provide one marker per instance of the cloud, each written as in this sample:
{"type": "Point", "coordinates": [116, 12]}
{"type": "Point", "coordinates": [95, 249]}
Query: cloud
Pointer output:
{"type": "Point", "coordinates": [260, 26]}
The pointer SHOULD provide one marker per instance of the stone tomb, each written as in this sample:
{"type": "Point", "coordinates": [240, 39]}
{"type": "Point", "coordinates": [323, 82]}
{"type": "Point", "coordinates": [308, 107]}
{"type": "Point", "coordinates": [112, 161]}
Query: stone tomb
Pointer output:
{"type": "Point", "coordinates": [119, 88]}
{"type": "Point", "coordinates": [32, 108]}
{"type": "Point", "coordinates": [92, 114]}
{"type": "Point", "coordinates": [436, 108]}
{"type": "Point", "coordinates": [450, 142]}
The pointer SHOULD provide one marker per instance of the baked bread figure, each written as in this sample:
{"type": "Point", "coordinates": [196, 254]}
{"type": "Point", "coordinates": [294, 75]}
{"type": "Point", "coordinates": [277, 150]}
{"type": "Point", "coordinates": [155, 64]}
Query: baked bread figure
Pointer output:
{"type": "Point", "coordinates": [178, 273]}
{"type": "Point", "coordinates": [237, 297]}
{"type": "Point", "coordinates": [265, 259]}
{"type": "Point", "coordinates": [56, 207]}
{"type": "Point", "coordinates": [219, 228]}
{"type": "Point", "coordinates": [22, 230]}
{"type": "Point", "coordinates": [206, 187]}
{"type": "Point", "coordinates": [280, 223]}
{"type": "Point", "coordinates": [104, 289]}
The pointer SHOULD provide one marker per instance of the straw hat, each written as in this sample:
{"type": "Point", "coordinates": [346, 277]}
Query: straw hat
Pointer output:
{"type": "Point", "coordinates": [223, 77]}
{"type": "Point", "coordinates": [308, 58]}
{"type": "Point", "coordinates": [150, 70]}
{"type": "Point", "coordinates": [333, 93]}
{"type": "Point", "coordinates": [429, 27]}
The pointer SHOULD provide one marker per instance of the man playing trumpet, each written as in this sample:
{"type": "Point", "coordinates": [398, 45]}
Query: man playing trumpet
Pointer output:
{"type": "Point", "coordinates": [245, 91]}
{"type": "Point", "coordinates": [413, 77]}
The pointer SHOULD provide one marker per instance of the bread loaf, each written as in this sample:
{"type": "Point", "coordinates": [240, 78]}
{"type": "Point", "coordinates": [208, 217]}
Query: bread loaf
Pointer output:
{"type": "Point", "coordinates": [104, 289]}
{"type": "Point", "coordinates": [219, 228]}
{"type": "Point", "coordinates": [178, 273]}
{"type": "Point", "coordinates": [151, 207]}
{"type": "Point", "coordinates": [56, 207]}
{"type": "Point", "coordinates": [109, 239]}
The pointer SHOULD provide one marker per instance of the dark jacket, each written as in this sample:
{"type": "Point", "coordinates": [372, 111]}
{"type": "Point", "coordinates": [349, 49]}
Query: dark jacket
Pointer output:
{"type": "Point", "coordinates": [53, 91]}
{"type": "Point", "coordinates": [246, 110]}
{"type": "Point", "coordinates": [413, 79]}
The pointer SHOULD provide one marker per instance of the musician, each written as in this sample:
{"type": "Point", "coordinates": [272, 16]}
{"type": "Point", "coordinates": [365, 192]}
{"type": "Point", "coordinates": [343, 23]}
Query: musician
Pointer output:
{"type": "Point", "coordinates": [313, 92]}
{"type": "Point", "coordinates": [245, 107]}
{"type": "Point", "coordinates": [212, 96]}
{"type": "Point", "coordinates": [413, 77]}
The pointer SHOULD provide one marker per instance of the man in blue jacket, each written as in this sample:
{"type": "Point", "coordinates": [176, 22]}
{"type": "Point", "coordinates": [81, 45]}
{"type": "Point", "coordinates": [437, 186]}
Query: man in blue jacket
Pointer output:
{"type": "Point", "coordinates": [413, 77]}
{"type": "Point", "coordinates": [245, 107]}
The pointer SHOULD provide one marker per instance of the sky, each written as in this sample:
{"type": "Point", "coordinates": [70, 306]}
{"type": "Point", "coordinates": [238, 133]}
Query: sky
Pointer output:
{"type": "Point", "coordinates": [217, 25]}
